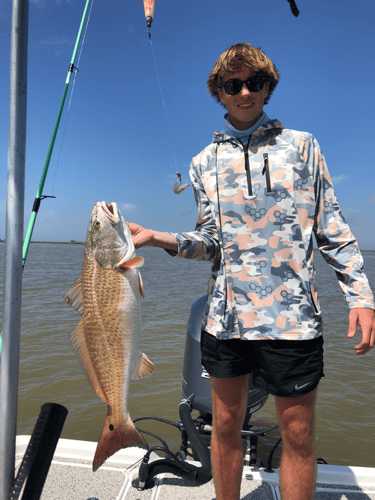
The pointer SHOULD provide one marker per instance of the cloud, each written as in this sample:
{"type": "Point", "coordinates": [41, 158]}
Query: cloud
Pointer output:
{"type": "Point", "coordinates": [350, 210]}
{"type": "Point", "coordinates": [39, 4]}
{"type": "Point", "coordinates": [56, 40]}
{"type": "Point", "coordinates": [43, 3]}
{"type": "Point", "coordinates": [57, 44]}
{"type": "Point", "coordinates": [371, 199]}
{"type": "Point", "coordinates": [355, 221]}
{"type": "Point", "coordinates": [128, 207]}
{"type": "Point", "coordinates": [339, 178]}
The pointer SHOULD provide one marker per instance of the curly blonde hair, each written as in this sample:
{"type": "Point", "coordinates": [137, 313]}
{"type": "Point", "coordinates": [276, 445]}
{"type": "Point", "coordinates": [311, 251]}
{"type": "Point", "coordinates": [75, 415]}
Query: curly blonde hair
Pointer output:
{"type": "Point", "coordinates": [238, 57]}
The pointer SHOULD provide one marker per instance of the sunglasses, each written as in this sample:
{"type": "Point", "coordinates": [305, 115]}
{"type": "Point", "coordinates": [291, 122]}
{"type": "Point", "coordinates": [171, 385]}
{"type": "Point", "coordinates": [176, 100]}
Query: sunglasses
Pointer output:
{"type": "Point", "coordinates": [234, 85]}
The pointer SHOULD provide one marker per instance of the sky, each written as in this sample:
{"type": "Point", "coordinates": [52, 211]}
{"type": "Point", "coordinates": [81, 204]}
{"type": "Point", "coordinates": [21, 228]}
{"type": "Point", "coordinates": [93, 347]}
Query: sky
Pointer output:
{"type": "Point", "coordinates": [139, 112]}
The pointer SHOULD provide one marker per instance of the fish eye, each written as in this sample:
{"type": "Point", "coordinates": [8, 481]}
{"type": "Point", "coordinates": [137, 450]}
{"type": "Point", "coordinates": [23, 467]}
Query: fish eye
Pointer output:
{"type": "Point", "coordinates": [97, 224]}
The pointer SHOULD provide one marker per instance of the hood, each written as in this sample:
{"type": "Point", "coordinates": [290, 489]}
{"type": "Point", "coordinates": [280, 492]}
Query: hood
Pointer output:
{"type": "Point", "coordinates": [265, 127]}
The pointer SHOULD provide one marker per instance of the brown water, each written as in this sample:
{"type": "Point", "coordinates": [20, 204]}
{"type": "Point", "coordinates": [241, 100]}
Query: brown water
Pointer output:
{"type": "Point", "coordinates": [50, 372]}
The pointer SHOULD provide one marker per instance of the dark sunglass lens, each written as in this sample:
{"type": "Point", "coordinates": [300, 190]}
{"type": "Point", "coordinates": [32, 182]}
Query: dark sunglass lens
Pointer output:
{"type": "Point", "coordinates": [232, 87]}
{"type": "Point", "coordinates": [255, 84]}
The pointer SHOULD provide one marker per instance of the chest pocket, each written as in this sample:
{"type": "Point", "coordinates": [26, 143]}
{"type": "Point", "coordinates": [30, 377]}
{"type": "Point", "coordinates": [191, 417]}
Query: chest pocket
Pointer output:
{"type": "Point", "coordinates": [283, 177]}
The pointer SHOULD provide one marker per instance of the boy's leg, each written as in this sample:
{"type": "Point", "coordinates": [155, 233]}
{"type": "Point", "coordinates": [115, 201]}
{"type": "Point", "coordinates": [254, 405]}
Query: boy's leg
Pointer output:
{"type": "Point", "coordinates": [229, 401]}
{"type": "Point", "coordinates": [296, 417]}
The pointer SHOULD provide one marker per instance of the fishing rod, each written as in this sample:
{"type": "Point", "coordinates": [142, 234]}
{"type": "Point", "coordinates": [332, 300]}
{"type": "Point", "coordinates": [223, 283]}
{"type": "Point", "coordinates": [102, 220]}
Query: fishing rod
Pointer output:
{"type": "Point", "coordinates": [39, 196]}
{"type": "Point", "coordinates": [149, 7]}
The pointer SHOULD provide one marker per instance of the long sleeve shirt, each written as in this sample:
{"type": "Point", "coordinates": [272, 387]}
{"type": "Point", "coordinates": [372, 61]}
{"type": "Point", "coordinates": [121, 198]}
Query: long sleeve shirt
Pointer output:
{"type": "Point", "coordinates": [259, 205]}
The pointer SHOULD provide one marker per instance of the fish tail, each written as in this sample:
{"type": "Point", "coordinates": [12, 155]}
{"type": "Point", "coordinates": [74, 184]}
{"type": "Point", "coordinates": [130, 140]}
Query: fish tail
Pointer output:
{"type": "Point", "coordinates": [114, 438]}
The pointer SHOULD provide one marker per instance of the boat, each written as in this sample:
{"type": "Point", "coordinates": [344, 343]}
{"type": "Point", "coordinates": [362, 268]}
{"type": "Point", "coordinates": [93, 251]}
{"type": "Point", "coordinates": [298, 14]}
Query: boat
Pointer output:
{"type": "Point", "coordinates": [133, 473]}
{"type": "Point", "coordinates": [38, 466]}
{"type": "Point", "coordinates": [70, 476]}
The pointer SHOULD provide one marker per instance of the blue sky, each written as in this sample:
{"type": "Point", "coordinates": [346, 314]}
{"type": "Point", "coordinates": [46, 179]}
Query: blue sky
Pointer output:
{"type": "Point", "coordinates": [117, 143]}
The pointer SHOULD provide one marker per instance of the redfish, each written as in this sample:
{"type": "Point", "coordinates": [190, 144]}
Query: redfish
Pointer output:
{"type": "Point", "coordinates": [106, 341]}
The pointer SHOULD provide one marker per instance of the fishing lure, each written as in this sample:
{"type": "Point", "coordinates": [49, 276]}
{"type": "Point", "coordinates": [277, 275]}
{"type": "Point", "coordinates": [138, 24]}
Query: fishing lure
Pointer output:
{"type": "Point", "coordinates": [178, 187]}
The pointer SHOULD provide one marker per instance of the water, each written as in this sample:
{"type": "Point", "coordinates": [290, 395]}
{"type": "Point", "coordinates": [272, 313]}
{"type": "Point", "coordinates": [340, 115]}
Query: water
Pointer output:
{"type": "Point", "coordinates": [50, 372]}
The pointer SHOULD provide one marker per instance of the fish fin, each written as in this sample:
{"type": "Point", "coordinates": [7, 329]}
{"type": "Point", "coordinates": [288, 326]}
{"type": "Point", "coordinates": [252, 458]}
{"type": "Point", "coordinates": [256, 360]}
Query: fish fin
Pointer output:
{"type": "Point", "coordinates": [141, 285]}
{"type": "Point", "coordinates": [121, 436]}
{"type": "Point", "coordinates": [132, 263]}
{"type": "Point", "coordinates": [74, 296]}
{"type": "Point", "coordinates": [143, 368]}
{"type": "Point", "coordinates": [78, 341]}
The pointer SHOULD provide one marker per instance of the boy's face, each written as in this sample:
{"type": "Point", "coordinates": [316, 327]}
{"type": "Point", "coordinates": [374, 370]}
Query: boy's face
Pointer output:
{"type": "Point", "coordinates": [245, 108]}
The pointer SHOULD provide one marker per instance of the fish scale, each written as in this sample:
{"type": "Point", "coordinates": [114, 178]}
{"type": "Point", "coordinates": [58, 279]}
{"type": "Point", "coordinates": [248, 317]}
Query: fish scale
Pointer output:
{"type": "Point", "coordinates": [103, 295]}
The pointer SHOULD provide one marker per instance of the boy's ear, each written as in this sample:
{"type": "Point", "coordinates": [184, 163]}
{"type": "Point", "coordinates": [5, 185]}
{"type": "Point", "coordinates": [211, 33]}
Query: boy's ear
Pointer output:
{"type": "Point", "coordinates": [220, 93]}
{"type": "Point", "coordinates": [267, 87]}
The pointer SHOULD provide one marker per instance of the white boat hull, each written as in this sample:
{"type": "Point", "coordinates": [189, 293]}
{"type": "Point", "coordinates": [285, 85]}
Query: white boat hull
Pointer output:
{"type": "Point", "coordinates": [70, 476]}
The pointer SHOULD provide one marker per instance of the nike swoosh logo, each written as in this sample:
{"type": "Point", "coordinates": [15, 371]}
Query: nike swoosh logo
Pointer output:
{"type": "Point", "coordinates": [297, 388]}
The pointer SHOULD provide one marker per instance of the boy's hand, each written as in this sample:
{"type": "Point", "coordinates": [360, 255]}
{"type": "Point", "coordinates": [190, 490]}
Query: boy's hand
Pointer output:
{"type": "Point", "coordinates": [365, 318]}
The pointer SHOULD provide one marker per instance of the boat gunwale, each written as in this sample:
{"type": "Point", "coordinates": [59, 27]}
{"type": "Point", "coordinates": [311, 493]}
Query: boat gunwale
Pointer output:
{"type": "Point", "coordinates": [330, 477]}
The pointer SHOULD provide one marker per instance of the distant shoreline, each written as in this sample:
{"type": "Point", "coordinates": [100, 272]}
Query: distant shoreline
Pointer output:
{"type": "Point", "coordinates": [56, 242]}
{"type": "Point", "coordinates": [82, 243]}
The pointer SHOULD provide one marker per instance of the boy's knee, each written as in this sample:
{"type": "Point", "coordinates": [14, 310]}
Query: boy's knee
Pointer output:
{"type": "Point", "coordinates": [299, 436]}
{"type": "Point", "coordinates": [228, 422]}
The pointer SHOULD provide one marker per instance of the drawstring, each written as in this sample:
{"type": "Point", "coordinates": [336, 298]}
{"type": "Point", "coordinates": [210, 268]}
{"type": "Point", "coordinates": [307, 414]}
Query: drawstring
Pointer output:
{"type": "Point", "coordinates": [266, 170]}
{"type": "Point", "coordinates": [247, 168]}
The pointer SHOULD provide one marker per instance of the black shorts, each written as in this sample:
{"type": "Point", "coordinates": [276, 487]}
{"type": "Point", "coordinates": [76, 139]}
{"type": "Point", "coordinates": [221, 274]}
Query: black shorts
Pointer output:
{"type": "Point", "coordinates": [285, 368]}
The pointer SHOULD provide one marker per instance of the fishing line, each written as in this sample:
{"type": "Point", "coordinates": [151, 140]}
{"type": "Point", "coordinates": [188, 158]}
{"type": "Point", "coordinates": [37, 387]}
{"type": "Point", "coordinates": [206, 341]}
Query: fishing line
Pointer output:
{"type": "Point", "coordinates": [165, 109]}
{"type": "Point", "coordinates": [26, 370]}
{"type": "Point", "coordinates": [71, 96]}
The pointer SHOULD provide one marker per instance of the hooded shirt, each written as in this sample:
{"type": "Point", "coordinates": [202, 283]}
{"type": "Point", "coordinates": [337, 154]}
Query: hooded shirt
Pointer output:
{"type": "Point", "coordinates": [259, 204]}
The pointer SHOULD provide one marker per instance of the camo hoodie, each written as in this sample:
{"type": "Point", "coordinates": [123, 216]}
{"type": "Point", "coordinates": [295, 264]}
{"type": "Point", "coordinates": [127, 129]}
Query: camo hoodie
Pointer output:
{"type": "Point", "coordinates": [258, 207]}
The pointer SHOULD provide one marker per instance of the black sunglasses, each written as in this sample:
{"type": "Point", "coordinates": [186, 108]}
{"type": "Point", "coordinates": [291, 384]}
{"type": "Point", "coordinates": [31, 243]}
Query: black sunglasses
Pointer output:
{"type": "Point", "coordinates": [234, 85]}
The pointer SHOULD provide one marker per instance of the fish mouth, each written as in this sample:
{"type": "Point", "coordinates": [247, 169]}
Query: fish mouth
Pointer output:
{"type": "Point", "coordinates": [111, 211]}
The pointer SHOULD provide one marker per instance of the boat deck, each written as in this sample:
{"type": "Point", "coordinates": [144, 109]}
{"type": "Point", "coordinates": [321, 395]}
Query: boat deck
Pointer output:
{"type": "Point", "coordinates": [70, 477]}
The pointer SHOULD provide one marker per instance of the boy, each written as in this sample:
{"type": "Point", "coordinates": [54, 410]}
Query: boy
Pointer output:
{"type": "Point", "coordinates": [262, 191]}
